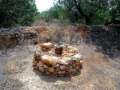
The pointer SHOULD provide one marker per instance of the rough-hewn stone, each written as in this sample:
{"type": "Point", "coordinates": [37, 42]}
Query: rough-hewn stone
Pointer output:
{"type": "Point", "coordinates": [9, 38]}
{"type": "Point", "coordinates": [63, 65]}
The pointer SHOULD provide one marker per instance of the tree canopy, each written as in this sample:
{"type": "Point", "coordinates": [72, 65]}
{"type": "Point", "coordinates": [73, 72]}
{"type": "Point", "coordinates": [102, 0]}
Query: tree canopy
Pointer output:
{"type": "Point", "coordinates": [86, 11]}
{"type": "Point", "coordinates": [24, 12]}
{"type": "Point", "coordinates": [17, 12]}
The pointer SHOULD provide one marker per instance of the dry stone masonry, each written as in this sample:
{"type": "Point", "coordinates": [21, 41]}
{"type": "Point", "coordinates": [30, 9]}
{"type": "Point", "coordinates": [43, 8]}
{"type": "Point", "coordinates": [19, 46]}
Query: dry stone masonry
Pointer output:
{"type": "Point", "coordinates": [9, 37]}
{"type": "Point", "coordinates": [57, 60]}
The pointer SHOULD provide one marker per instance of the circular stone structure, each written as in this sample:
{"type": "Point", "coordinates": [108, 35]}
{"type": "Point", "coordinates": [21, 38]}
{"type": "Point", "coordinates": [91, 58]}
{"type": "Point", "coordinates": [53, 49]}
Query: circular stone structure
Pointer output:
{"type": "Point", "coordinates": [57, 60]}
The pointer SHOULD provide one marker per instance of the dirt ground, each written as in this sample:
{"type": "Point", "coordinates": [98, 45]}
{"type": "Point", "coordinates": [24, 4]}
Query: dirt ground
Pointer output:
{"type": "Point", "coordinates": [98, 73]}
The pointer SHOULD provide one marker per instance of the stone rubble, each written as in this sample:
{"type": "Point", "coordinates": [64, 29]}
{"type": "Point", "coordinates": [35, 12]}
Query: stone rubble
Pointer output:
{"type": "Point", "coordinates": [64, 65]}
{"type": "Point", "coordinates": [9, 38]}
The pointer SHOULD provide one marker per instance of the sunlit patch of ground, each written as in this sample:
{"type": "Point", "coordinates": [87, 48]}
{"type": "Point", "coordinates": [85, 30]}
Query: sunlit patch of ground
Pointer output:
{"type": "Point", "coordinates": [98, 73]}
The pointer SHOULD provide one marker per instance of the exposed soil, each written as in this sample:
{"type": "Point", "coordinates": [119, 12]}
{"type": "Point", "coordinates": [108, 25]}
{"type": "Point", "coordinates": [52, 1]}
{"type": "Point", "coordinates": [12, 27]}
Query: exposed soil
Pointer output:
{"type": "Point", "coordinates": [98, 73]}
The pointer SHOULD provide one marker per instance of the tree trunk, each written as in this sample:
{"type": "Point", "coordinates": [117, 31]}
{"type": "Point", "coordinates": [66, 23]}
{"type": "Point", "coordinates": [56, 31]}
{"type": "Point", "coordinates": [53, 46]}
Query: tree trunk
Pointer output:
{"type": "Point", "coordinates": [78, 7]}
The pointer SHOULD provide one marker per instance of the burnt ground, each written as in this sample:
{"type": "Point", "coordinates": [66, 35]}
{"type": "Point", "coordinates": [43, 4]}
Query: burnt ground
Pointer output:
{"type": "Point", "coordinates": [99, 72]}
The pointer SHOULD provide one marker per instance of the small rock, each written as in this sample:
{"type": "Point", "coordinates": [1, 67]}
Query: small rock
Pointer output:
{"type": "Point", "coordinates": [62, 67]}
{"type": "Point", "coordinates": [77, 57]}
{"type": "Point", "coordinates": [46, 46]}
{"type": "Point", "coordinates": [40, 64]}
{"type": "Point", "coordinates": [41, 68]}
{"type": "Point", "coordinates": [46, 67]}
{"type": "Point", "coordinates": [51, 70]}
{"type": "Point", "coordinates": [49, 60]}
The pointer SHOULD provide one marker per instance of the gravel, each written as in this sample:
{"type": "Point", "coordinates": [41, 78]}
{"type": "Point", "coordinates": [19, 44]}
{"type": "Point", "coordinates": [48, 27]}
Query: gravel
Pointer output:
{"type": "Point", "coordinates": [98, 73]}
